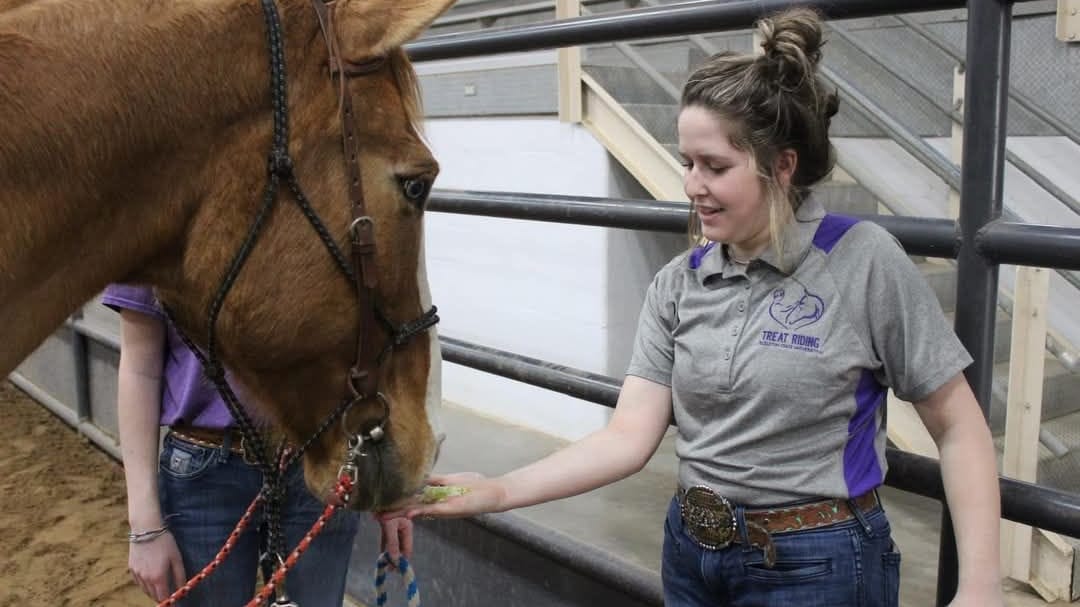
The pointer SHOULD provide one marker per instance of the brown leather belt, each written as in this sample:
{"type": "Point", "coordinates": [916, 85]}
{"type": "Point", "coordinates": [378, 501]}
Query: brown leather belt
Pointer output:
{"type": "Point", "coordinates": [212, 438]}
{"type": "Point", "coordinates": [710, 520]}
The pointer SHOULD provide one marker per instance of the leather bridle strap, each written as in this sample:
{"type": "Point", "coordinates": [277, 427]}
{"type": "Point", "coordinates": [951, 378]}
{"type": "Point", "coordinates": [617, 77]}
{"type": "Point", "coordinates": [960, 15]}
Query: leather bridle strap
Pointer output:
{"type": "Point", "coordinates": [363, 374]}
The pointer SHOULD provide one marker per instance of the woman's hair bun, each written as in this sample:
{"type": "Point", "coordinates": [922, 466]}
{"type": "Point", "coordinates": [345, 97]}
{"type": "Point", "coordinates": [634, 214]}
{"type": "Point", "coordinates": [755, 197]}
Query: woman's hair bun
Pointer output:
{"type": "Point", "coordinates": [792, 42]}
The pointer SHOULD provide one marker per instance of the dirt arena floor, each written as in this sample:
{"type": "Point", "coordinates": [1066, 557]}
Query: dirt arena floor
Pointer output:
{"type": "Point", "coordinates": [63, 522]}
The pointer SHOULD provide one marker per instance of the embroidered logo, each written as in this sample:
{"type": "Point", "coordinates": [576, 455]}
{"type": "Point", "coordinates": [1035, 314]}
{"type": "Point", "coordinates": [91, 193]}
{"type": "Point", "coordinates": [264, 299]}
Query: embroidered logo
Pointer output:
{"type": "Point", "coordinates": [800, 310]}
{"type": "Point", "coordinates": [805, 310]}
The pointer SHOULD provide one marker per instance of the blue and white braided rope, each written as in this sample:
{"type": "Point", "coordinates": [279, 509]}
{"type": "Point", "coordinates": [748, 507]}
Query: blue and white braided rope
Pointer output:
{"type": "Point", "coordinates": [412, 592]}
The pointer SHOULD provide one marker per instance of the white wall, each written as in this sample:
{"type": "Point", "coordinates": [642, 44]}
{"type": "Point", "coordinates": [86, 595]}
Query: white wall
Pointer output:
{"type": "Point", "coordinates": [562, 293]}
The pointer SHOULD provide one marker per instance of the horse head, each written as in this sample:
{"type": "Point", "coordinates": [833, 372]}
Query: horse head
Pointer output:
{"type": "Point", "coordinates": [317, 334]}
{"type": "Point", "coordinates": [140, 154]}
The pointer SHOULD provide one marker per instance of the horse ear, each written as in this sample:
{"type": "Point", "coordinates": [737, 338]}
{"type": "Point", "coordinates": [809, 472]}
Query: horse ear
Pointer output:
{"type": "Point", "coordinates": [372, 27]}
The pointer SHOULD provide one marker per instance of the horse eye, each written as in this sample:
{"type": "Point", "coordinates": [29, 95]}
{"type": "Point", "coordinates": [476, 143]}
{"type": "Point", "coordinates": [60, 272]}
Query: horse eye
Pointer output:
{"type": "Point", "coordinates": [415, 189]}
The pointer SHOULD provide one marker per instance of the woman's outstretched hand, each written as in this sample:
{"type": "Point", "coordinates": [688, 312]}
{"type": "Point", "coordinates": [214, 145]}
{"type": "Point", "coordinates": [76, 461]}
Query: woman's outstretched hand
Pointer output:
{"type": "Point", "coordinates": [479, 495]}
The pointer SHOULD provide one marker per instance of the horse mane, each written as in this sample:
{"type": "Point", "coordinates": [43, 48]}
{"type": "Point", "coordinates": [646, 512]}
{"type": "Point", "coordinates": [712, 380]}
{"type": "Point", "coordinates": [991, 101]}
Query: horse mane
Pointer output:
{"type": "Point", "coordinates": [409, 86]}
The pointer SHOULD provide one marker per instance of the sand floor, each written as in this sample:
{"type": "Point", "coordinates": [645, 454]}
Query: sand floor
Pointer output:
{"type": "Point", "coordinates": [63, 521]}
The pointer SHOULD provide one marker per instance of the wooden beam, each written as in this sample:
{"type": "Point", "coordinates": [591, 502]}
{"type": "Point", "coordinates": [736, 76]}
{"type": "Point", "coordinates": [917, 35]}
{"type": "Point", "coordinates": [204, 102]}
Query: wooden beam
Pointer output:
{"type": "Point", "coordinates": [906, 429]}
{"type": "Point", "coordinates": [1068, 20]}
{"type": "Point", "coordinates": [569, 68]}
{"type": "Point", "coordinates": [1052, 563]}
{"type": "Point", "coordinates": [1023, 415]}
{"type": "Point", "coordinates": [630, 144]}
{"type": "Point", "coordinates": [956, 141]}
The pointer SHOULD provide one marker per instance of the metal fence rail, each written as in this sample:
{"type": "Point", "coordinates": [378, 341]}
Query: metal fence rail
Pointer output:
{"type": "Point", "coordinates": [1022, 502]}
{"type": "Point", "coordinates": [984, 241]}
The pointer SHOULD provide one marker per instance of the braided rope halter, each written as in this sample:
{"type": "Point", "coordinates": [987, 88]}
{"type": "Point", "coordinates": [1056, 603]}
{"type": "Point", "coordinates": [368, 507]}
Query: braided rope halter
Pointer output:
{"type": "Point", "coordinates": [362, 379]}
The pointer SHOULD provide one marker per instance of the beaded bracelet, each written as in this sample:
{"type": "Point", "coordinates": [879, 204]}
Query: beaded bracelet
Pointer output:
{"type": "Point", "coordinates": [146, 536]}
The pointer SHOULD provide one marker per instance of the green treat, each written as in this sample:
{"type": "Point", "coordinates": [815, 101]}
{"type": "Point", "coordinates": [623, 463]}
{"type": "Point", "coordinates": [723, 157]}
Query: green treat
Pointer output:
{"type": "Point", "coordinates": [433, 494]}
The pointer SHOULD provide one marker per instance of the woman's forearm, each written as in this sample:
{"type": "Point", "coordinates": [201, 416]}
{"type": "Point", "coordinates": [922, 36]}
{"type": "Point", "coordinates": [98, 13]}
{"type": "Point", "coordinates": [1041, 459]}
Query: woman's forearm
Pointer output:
{"type": "Point", "coordinates": [969, 473]}
{"type": "Point", "coordinates": [138, 411]}
{"type": "Point", "coordinates": [596, 460]}
{"type": "Point", "coordinates": [618, 450]}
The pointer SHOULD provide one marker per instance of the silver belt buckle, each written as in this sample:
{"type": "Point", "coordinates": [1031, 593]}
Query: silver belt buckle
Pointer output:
{"type": "Point", "coordinates": [708, 517]}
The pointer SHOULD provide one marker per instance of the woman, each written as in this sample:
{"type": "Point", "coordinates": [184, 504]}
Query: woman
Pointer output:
{"type": "Point", "coordinates": [773, 344]}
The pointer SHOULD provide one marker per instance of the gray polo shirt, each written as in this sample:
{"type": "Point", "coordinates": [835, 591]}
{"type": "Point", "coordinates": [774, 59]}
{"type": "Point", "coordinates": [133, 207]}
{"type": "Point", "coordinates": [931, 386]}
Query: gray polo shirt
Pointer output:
{"type": "Point", "coordinates": [779, 371]}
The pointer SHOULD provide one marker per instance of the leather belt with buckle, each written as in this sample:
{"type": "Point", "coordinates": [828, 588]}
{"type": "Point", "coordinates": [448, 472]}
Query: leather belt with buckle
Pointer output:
{"type": "Point", "coordinates": [709, 519]}
{"type": "Point", "coordinates": [212, 438]}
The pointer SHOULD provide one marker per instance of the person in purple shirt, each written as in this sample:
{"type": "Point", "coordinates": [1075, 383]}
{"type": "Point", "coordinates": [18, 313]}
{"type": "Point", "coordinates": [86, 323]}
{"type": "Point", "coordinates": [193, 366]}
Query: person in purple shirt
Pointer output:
{"type": "Point", "coordinates": [185, 499]}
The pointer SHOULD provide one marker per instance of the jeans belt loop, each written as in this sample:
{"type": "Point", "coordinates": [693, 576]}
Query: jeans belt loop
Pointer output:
{"type": "Point", "coordinates": [860, 515]}
{"type": "Point", "coordinates": [740, 524]}
{"type": "Point", "coordinates": [226, 442]}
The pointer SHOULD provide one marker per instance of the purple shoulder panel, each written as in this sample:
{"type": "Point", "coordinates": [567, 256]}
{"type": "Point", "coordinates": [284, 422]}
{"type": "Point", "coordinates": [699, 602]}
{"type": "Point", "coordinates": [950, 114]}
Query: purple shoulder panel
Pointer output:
{"type": "Point", "coordinates": [832, 229]}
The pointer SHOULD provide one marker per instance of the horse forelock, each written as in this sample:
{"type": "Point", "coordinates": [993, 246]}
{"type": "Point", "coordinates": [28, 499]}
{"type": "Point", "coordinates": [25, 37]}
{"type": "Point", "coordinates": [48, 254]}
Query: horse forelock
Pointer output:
{"type": "Point", "coordinates": [409, 85]}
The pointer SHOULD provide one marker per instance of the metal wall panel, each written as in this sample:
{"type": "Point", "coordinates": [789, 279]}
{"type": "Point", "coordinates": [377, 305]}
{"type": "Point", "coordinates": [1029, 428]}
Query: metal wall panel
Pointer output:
{"type": "Point", "coordinates": [52, 369]}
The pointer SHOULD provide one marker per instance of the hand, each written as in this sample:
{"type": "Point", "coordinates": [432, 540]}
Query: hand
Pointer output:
{"type": "Point", "coordinates": [484, 495]}
{"type": "Point", "coordinates": [397, 537]}
{"type": "Point", "coordinates": [157, 566]}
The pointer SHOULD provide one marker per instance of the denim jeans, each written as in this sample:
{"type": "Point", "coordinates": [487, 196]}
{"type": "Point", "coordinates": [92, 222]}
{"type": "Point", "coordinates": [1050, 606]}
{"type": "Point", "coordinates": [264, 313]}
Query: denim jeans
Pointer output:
{"type": "Point", "coordinates": [850, 564]}
{"type": "Point", "coordinates": [205, 491]}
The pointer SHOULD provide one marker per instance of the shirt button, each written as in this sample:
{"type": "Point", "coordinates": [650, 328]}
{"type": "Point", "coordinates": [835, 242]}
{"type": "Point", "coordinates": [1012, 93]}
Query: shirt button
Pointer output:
{"type": "Point", "coordinates": [727, 355]}
{"type": "Point", "coordinates": [742, 306]}
{"type": "Point", "coordinates": [734, 330]}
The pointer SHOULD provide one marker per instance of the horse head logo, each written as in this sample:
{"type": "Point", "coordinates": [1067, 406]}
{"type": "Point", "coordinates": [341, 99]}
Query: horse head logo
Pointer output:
{"type": "Point", "coordinates": [806, 309]}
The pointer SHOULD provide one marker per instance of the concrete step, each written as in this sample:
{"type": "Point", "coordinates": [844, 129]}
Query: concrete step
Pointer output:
{"type": "Point", "coordinates": [1060, 387]}
{"type": "Point", "coordinates": [846, 198]}
{"type": "Point", "coordinates": [942, 279]}
{"type": "Point", "coordinates": [1062, 472]}
{"type": "Point", "coordinates": [659, 119]}
{"type": "Point", "coordinates": [670, 57]}
{"type": "Point", "coordinates": [894, 95]}
{"type": "Point", "coordinates": [630, 85]}
{"type": "Point", "coordinates": [1002, 334]}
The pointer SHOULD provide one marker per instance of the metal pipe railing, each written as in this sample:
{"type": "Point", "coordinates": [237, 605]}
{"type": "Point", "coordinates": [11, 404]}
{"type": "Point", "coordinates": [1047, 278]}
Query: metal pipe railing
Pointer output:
{"type": "Point", "coordinates": [1028, 244]}
{"type": "Point", "coordinates": [1021, 502]}
{"type": "Point", "coordinates": [998, 241]}
{"type": "Point", "coordinates": [672, 19]}
{"type": "Point", "coordinates": [1004, 242]}
{"type": "Point", "coordinates": [981, 202]}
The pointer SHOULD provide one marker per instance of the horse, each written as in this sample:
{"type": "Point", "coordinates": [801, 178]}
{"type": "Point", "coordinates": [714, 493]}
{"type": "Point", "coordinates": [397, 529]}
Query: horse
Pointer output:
{"type": "Point", "coordinates": [134, 138]}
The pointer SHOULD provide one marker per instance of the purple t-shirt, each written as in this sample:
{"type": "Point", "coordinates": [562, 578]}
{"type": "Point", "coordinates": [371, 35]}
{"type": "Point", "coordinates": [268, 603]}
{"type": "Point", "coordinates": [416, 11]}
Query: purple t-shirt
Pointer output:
{"type": "Point", "coordinates": [187, 396]}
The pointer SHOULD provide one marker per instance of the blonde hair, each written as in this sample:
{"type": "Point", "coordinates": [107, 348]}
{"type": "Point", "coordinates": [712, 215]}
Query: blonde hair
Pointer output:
{"type": "Point", "coordinates": [773, 101]}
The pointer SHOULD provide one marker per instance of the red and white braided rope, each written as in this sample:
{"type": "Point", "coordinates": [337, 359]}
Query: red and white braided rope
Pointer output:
{"type": "Point", "coordinates": [342, 491]}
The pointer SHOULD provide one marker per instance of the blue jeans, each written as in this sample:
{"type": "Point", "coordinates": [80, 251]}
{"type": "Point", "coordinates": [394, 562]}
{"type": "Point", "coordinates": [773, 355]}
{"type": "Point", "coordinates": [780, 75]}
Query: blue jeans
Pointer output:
{"type": "Point", "coordinates": [206, 490]}
{"type": "Point", "coordinates": [850, 564]}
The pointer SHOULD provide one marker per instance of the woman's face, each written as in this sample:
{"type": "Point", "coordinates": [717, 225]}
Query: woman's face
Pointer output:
{"type": "Point", "coordinates": [722, 182]}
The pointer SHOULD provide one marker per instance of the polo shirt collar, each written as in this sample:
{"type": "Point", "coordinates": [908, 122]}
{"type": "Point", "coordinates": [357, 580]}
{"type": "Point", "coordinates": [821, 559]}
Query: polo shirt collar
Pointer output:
{"type": "Point", "coordinates": [712, 259]}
